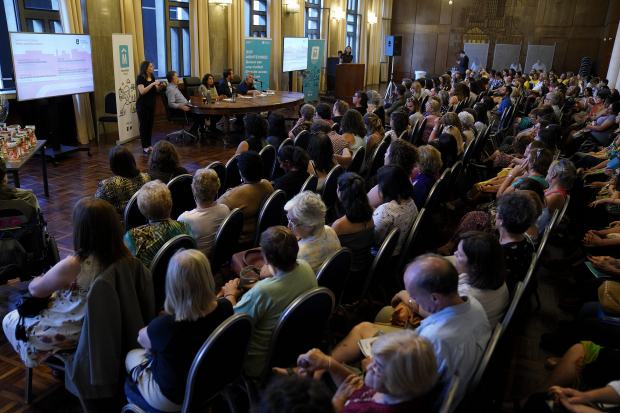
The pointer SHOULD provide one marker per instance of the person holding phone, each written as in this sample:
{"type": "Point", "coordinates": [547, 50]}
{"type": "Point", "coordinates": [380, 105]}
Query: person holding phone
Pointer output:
{"type": "Point", "coordinates": [148, 87]}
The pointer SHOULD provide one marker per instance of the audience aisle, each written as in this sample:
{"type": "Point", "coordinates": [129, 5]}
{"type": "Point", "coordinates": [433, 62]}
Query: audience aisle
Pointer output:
{"type": "Point", "coordinates": [77, 176]}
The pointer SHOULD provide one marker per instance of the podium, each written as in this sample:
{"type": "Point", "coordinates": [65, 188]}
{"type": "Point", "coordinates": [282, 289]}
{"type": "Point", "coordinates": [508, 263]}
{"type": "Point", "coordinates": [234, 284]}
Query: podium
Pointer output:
{"type": "Point", "coordinates": [349, 78]}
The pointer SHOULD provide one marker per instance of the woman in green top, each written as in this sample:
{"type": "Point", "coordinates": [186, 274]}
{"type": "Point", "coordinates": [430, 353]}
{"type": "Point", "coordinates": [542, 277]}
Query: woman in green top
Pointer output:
{"type": "Point", "coordinates": [209, 85]}
{"type": "Point", "coordinates": [535, 167]}
{"type": "Point", "coordinates": [155, 203]}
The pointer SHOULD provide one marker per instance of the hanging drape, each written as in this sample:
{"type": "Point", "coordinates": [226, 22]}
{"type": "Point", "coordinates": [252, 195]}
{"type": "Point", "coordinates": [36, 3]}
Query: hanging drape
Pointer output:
{"type": "Point", "coordinates": [338, 28]}
{"type": "Point", "coordinates": [299, 20]}
{"type": "Point", "coordinates": [386, 29]}
{"type": "Point", "coordinates": [71, 20]}
{"type": "Point", "coordinates": [199, 37]}
{"type": "Point", "coordinates": [325, 18]}
{"type": "Point", "coordinates": [370, 53]}
{"type": "Point", "coordinates": [236, 36]}
{"type": "Point", "coordinates": [274, 31]}
{"type": "Point", "coordinates": [131, 23]}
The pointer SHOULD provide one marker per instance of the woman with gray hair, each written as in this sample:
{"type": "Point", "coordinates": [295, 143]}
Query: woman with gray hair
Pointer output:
{"type": "Point", "coordinates": [375, 105]}
{"type": "Point", "coordinates": [305, 121]}
{"type": "Point", "coordinates": [402, 370]}
{"type": "Point", "coordinates": [155, 203]}
{"type": "Point", "coordinates": [205, 219]}
{"type": "Point", "coordinates": [170, 342]}
{"type": "Point", "coordinates": [467, 120]}
{"type": "Point", "coordinates": [306, 218]}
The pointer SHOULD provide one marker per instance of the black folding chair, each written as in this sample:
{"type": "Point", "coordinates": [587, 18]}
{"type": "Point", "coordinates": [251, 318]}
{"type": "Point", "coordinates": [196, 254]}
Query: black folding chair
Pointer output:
{"type": "Point", "coordinates": [268, 156]}
{"type": "Point", "coordinates": [226, 240]}
{"type": "Point", "coordinates": [270, 213]}
{"type": "Point", "coordinates": [329, 192]}
{"type": "Point", "coordinates": [182, 195]}
{"type": "Point", "coordinates": [302, 140]}
{"type": "Point", "coordinates": [159, 265]}
{"type": "Point", "coordinates": [133, 217]}
{"type": "Point", "coordinates": [220, 170]}
{"type": "Point", "coordinates": [310, 184]}
{"type": "Point", "coordinates": [357, 161]}
{"type": "Point", "coordinates": [233, 178]}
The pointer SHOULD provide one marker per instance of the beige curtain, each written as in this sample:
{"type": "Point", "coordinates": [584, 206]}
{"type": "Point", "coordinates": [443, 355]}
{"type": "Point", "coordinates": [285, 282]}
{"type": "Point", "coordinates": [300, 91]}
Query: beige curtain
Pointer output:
{"type": "Point", "coordinates": [131, 23]}
{"type": "Point", "coordinates": [372, 50]}
{"type": "Point", "coordinates": [338, 30]}
{"type": "Point", "coordinates": [325, 18]}
{"type": "Point", "coordinates": [386, 25]}
{"type": "Point", "coordinates": [199, 37]}
{"type": "Point", "coordinates": [299, 20]}
{"type": "Point", "coordinates": [274, 31]}
{"type": "Point", "coordinates": [236, 36]}
{"type": "Point", "coordinates": [71, 19]}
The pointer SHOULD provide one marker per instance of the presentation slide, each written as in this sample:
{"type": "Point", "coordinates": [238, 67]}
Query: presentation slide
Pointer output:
{"type": "Point", "coordinates": [295, 54]}
{"type": "Point", "coordinates": [48, 65]}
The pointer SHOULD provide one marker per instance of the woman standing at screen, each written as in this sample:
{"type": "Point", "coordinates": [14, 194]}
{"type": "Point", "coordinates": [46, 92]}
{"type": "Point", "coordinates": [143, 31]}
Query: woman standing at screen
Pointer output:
{"type": "Point", "coordinates": [148, 87]}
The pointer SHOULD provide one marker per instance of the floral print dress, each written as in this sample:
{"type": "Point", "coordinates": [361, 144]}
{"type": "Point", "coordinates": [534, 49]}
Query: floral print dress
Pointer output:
{"type": "Point", "coordinates": [59, 326]}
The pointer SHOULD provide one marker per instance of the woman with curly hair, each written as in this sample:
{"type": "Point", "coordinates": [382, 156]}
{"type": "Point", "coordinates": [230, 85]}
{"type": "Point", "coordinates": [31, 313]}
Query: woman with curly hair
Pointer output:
{"type": "Point", "coordinates": [353, 129]}
{"type": "Point", "coordinates": [165, 162]}
{"type": "Point", "coordinates": [276, 129]}
{"type": "Point", "coordinates": [321, 154]}
{"type": "Point", "coordinates": [255, 134]}
{"type": "Point", "coordinates": [374, 133]}
{"type": "Point", "coordinates": [399, 122]}
{"type": "Point", "coordinates": [402, 153]}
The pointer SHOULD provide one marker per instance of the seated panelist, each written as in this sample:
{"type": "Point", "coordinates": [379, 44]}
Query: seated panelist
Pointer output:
{"type": "Point", "coordinates": [247, 87]}
{"type": "Point", "coordinates": [177, 101]}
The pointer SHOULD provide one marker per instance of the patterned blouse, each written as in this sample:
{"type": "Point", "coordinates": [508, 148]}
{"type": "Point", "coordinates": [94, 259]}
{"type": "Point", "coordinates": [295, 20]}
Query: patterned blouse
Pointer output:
{"type": "Point", "coordinates": [145, 241]}
{"type": "Point", "coordinates": [118, 190]}
{"type": "Point", "coordinates": [391, 215]}
{"type": "Point", "coordinates": [318, 247]}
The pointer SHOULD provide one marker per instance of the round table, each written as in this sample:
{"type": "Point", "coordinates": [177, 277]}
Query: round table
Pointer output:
{"type": "Point", "coordinates": [267, 103]}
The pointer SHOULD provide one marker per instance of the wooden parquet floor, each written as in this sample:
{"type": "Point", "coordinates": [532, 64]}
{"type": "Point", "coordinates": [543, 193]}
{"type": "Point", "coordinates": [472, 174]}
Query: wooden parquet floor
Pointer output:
{"type": "Point", "coordinates": [78, 176]}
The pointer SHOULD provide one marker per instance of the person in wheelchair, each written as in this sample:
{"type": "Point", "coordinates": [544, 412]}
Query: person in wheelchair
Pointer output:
{"type": "Point", "coordinates": [98, 243]}
{"type": "Point", "coordinates": [8, 193]}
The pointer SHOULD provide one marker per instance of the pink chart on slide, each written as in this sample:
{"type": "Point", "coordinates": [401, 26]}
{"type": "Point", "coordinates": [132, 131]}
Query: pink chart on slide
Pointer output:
{"type": "Point", "coordinates": [41, 75]}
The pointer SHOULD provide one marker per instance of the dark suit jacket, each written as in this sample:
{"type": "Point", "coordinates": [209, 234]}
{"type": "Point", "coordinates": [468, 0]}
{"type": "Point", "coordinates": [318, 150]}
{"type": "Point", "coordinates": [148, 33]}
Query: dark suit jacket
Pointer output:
{"type": "Point", "coordinates": [397, 103]}
{"type": "Point", "coordinates": [223, 89]}
{"type": "Point", "coordinates": [464, 64]}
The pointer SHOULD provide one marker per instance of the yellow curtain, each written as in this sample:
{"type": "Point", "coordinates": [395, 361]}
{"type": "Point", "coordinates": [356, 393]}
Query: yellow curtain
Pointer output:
{"type": "Point", "coordinates": [374, 40]}
{"type": "Point", "coordinates": [299, 21]}
{"type": "Point", "coordinates": [236, 36]}
{"type": "Point", "coordinates": [199, 37]}
{"type": "Point", "coordinates": [325, 18]}
{"type": "Point", "coordinates": [274, 31]}
{"type": "Point", "coordinates": [71, 20]}
{"type": "Point", "coordinates": [131, 23]}
{"type": "Point", "coordinates": [338, 30]}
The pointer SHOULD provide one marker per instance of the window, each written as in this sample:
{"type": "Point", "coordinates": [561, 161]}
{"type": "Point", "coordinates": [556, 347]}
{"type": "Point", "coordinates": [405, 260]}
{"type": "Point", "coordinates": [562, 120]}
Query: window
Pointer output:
{"type": "Point", "coordinates": [352, 21]}
{"type": "Point", "coordinates": [39, 16]}
{"type": "Point", "coordinates": [166, 36]}
{"type": "Point", "coordinates": [256, 18]}
{"type": "Point", "coordinates": [313, 19]}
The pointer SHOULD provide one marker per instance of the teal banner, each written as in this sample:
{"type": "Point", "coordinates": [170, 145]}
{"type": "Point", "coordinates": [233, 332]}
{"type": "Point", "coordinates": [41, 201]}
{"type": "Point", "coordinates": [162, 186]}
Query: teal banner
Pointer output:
{"type": "Point", "coordinates": [313, 75]}
{"type": "Point", "coordinates": [257, 59]}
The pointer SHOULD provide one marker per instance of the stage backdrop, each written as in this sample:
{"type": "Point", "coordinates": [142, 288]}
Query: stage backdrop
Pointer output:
{"type": "Point", "coordinates": [507, 57]}
{"type": "Point", "coordinates": [313, 76]}
{"type": "Point", "coordinates": [539, 58]}
{"type": "Point", "coordinates": [257, 59]}
{"type": "Point", "coordinates": [477, 53]}
{"type": "Point", "coordinates": [125, 87]}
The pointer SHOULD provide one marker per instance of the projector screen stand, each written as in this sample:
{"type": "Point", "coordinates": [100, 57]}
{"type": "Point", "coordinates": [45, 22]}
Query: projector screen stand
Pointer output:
{"type": "Point", "coordinates": [57, 149]}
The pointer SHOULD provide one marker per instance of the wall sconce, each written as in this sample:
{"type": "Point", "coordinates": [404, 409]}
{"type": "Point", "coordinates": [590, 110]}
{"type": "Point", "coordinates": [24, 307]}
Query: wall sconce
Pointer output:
{"type": "Point", "coordinates": [291, 8]}
{"type": "Point", "coordinates": [222, 3]}
{"type": "Point", "coordinates": [372, 18]}
{"type": "Point", "coordinates": [339, 14]}
{"type": "Point", "coordinates": [450, 2]}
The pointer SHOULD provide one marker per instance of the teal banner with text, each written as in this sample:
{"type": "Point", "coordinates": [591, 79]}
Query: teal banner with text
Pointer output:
{"type": "Point", "coordinates": [257, 59]}
{"type": "Point", "coordinates": [313, 74]}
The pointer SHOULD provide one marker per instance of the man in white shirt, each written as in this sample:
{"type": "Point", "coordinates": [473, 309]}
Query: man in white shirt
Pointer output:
{"type": "Point", "coordinates": [457, 326]}
{"type": "Point", "coordinates": [177, 101]}
{"type": "Point", "coordinates": [541, 67]}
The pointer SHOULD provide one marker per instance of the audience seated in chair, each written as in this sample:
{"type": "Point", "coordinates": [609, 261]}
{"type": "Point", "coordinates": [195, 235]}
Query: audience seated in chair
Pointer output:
{"type": "Point", "coordinates": [306, 218]}
{"type": "Point", "coordinates": [324, 112]}
{"type": "Point", "coordinates": [8, 193]}
{"type": "Point", "coordinates": [352, 129]}
{"type": "Point", "coordinates": [119, 189]}
{"type": "Point", "coordinates": [375, 105]}
{"type": "Point", "coordinates": [374, 134]}
{"type": "Point", "coordinates": [268, 299]}
{"type": "Point", "coordinates": [429, 168]}
{"type": "Point", "coordinates": [360, 100]}
{"type": "Point", "coordinates": [248, 196]}
{"type": "Point", "coordinates": [399, 100]}
{"type": "Point", "coordinates": [402, 153]}
{"type": "Point", "coordinates": [164, 162]}
{"type": "Point", "coordinates": [341, 146]}
{"type": "Point", "coordinates": [98, 243]}
{"type": "Point", "coordinates": [206, 218]}
{"type": "Point", "coordinates": [322, 158]}
{"type": "Point", "coordinates": [276, 130]}
{"type": "Point", "coordinates": [456, 326]}
{"type": "Point", "coordinates": [155, 203]}
{"type": "Point", "coordinates": [398, 209]}
{"type": "Point", "coordinates": [170, 342]}
{"type": "Point", "coordinates": [401, 373]}
{"type": "Point", "coordinates": [304, 122]}
{"type": "Point", "coordinates": [294, 162]}
{"type": "Point", "coordinates": [294, 394]}
{"type": "Point", "coordinates": [255, 134]}
{"type": "Point", "coordinates": [340, 108]}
